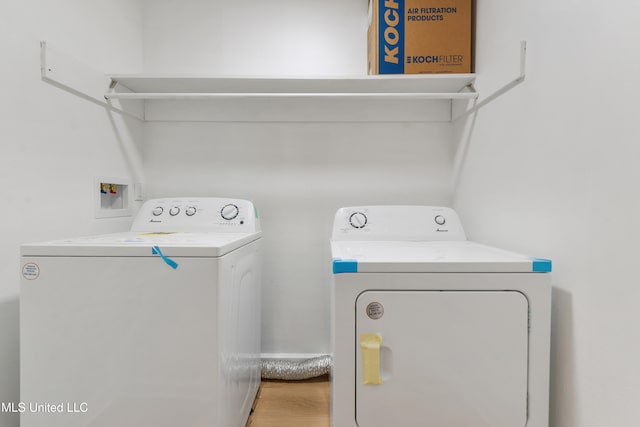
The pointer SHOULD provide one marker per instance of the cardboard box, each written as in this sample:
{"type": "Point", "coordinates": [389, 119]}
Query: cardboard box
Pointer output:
{"type": "Point", "coordinates": [419, 36]}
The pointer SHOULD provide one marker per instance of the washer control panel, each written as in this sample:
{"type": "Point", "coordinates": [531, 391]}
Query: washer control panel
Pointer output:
{"type": "Point", "coordinates": [412, 223]}
{"type": "Point", "coordinates": [197, 214]}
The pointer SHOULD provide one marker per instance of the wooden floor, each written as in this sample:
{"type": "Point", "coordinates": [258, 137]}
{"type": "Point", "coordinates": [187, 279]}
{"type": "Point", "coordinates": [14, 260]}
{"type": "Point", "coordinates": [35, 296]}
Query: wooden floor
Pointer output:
{"type": "Point", "coordinates": [292, 404]}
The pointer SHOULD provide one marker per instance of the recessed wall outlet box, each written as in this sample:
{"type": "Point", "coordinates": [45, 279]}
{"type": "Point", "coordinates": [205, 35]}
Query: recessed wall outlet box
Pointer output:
{"type": "Point", "coordinates": [112, 197]}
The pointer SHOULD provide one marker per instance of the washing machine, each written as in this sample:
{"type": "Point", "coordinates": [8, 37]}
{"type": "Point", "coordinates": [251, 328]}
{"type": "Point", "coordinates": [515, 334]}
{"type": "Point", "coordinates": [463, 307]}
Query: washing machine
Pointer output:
{"type": "Point", "coordinates": [430, 329]}
{"type": "Point", "coordinates": [158, 326]}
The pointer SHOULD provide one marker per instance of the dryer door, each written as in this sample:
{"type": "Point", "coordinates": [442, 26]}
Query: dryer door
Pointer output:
{"type": "Point", "coordinates": [441, 358]}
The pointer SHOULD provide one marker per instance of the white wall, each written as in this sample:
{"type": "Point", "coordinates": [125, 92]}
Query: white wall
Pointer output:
{"type": "Point", "coordinates": [53, 142]}
{"type": "Point", "coordinates": [298, 174]}
{"type": "Point", "coordinates": [551, 170]}
{"type": "Point", "coordinates": [252, 37]}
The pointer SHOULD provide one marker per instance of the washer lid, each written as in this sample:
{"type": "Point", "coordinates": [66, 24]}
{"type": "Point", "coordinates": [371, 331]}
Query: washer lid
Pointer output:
{"type": "Point", "coordinates": [429, 257]}
{"type": "Point", "coordinates": [131, 244]}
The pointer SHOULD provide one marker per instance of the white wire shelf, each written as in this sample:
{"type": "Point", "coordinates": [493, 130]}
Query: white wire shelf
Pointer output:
{"type": "Point", "coordinates": [387, 98]}
{"type": "Point", "coordinates": [424, 87]}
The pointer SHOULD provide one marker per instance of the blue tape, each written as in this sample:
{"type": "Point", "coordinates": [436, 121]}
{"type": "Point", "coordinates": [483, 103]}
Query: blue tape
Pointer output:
{"type": "Point", "coordinates": [345, 266]}
{"type": "Point", "coordinates": [171, 263]}
{"type": "Point", "coordinates": [541, 265]}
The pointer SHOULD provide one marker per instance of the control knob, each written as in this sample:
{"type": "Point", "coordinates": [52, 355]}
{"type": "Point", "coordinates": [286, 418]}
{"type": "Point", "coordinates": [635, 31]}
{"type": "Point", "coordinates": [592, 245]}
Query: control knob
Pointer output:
{"type": "Point", "coordinates": [229, 212]}
{"type": "Point", "coordinates": [358, 220]}
{"type": "Point", "coordinates": [439, 219]}
{"type": "Point", "coordinates": [157, 211]}
{"type": "Point", "coordinates": [174, 211]}
{"type": "Point", "coordinates": [190, 211]}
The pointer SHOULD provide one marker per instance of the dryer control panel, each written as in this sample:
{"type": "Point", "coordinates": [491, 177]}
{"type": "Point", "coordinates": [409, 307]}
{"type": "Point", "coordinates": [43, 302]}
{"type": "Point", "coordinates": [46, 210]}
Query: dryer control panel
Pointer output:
{"type": "Point", "coordinates": [398, 223]}
{"type": "Point", "coordinates": [197, 214]}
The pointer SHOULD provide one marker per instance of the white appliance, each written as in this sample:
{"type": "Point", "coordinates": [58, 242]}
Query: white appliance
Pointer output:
{"type": "Point", "coordinates": [430, 329]}
{"type": "Point", "coordinates": [159, 326]}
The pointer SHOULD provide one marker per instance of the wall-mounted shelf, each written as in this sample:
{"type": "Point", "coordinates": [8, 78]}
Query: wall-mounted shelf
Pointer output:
{"type": "Point", "coordinates": [442, 86]}
{"type": "Point", "coordinates": [367, 98]}
{"type": "Point", "coordinates": [388, 98]}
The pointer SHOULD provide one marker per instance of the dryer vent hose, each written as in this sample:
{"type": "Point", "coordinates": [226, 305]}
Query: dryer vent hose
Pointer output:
{"type": "Point", "coordinates": [295, 369]}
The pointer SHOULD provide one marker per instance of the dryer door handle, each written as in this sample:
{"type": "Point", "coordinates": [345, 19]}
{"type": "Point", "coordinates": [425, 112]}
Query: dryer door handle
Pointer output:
{"type": "Point", "coordinates": [386, 363]}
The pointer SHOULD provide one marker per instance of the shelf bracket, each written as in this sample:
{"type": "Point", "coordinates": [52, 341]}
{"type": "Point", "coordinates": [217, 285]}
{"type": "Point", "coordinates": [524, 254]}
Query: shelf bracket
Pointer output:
{"type": "Point", "coordinates": [504, 89]}
{"type": "Point", "coordinates": [65, 72]}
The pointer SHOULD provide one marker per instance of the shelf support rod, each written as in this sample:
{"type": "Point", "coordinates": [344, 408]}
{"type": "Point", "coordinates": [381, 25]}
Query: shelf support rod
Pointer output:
{"type": "Point", "coordinates": [504, 89]}
{"type": "Point", "coordinates": [65, 72]}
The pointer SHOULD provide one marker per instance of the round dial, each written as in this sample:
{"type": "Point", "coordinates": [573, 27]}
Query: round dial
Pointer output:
{"type": "Point", "coordinates": [358, 220]}
{"type": "Point", "coordinates": [157, 211]}
{"type": "Point", "coordinates": [439, 219]}
{"type": "Point", "coordinates": [229, 212]}
{"type": "Point", "coordinates": [190, 211]}
{"type": "Point", "coordinates": [174, 211]}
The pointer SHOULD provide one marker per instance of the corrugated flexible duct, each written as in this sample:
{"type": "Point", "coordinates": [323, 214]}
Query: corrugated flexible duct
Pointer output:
{"type": "Point", "coordinates": [295, 369]}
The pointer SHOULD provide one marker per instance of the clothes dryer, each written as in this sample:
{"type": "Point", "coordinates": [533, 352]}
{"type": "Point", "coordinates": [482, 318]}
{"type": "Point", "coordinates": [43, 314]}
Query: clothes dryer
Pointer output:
{"type": "Point", "coordinates": [159, 326]}
{"type": "Point", "coordinates": [429, 328]}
